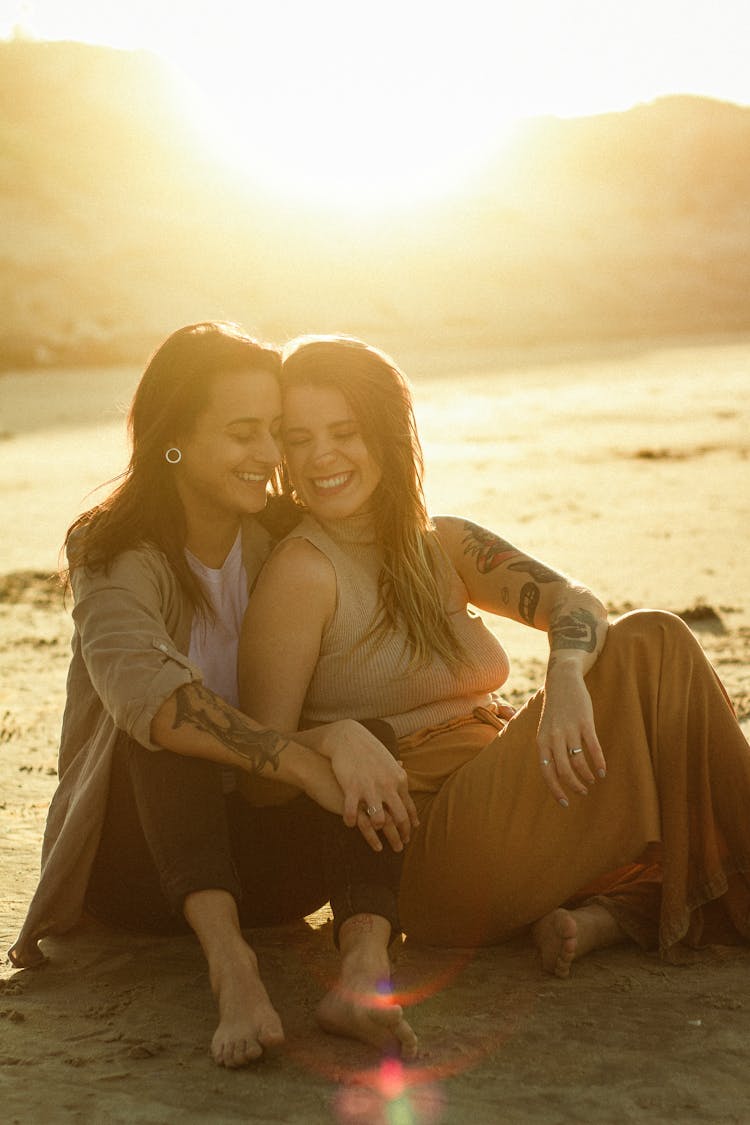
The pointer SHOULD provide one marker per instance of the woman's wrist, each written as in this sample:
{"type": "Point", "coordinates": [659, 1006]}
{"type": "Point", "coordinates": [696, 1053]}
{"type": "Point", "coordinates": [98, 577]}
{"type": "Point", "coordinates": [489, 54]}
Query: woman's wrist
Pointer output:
{"type": "Point", "coordinates": [568, 662]}
{"type": "Point", "coordinates": [325, 740]}
{"type": "Point", "coordinates": [299, 765]}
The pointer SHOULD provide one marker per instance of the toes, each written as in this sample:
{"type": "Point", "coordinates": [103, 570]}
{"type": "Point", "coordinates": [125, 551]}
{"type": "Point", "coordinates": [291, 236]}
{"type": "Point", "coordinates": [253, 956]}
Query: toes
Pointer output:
{"type": "Point", "coordinates": [271, 1040]}
{"type": "Point", "coordinates": [392, 1030]}
{"type": "Point", "coordinates": [408, 1040]}
{"type": "Point", "coordinates": [236, 1053]}
{"type": "Point", "coordinates": [557, 939]}
{"type": "Point", "coordinates": [247, 1051]}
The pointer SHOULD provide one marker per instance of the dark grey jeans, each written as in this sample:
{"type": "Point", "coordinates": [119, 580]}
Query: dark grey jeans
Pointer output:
{"type": "Point", "coordinates": [170, 830]}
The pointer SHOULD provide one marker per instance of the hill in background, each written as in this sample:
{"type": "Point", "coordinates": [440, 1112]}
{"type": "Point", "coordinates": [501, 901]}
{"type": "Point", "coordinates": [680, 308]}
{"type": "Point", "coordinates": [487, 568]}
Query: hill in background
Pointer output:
{"type": "Point", "coordinates": [117, 227]}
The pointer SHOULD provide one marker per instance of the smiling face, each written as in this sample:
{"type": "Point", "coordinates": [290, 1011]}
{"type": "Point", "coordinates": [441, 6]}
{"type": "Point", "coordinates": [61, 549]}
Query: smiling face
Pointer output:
{"type": "Point", "coordinates": [231, 451]}
{"type": "Point", "coordinates": [331, 468]}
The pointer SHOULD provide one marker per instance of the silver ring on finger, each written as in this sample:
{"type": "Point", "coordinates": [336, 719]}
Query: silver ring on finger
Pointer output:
{"type": "Point", "coordinates": [372, 810]}
{"type": "Point", "coordinates": [576, 750]}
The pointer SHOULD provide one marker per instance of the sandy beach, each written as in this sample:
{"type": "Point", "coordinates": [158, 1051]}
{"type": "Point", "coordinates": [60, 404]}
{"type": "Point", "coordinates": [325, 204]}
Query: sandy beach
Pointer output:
{"type": "Point", "coordinates": [628, 467]}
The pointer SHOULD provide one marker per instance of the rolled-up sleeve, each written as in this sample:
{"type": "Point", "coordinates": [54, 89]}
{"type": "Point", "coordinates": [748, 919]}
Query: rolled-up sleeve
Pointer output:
{"type": "Point", "coordinates": [131, 659]}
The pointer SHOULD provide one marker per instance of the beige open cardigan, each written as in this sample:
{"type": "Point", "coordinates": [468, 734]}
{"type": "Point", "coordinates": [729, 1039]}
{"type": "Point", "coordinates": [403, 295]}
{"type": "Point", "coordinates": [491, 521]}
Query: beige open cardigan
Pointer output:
{"type": "Point", "coordinates": [131, 632]}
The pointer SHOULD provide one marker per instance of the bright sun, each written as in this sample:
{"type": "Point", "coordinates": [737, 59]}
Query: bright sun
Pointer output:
{"type": "Point", "coordinates": [372, 106]}
{"type": "Point", "coordinates": [350, 119]}
{"type": "Point", "coordinates": [367, 153]}
{"type": "Point", "coordinates": [359, 107]}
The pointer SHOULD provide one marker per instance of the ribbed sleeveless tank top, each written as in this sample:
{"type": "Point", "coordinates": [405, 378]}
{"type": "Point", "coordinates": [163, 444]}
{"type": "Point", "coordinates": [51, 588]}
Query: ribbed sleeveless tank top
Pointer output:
{"type": "Point", "coordinates": [371, 678]}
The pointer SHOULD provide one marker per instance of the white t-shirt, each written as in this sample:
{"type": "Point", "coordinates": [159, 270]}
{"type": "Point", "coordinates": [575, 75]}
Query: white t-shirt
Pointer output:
{"type": "Point", "coordinates": [214, 643]}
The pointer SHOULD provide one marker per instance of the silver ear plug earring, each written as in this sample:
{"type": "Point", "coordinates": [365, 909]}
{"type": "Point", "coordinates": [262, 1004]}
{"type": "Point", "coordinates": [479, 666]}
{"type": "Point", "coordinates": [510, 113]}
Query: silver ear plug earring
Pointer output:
{"type": "Point", "coordinates": [173, 455]}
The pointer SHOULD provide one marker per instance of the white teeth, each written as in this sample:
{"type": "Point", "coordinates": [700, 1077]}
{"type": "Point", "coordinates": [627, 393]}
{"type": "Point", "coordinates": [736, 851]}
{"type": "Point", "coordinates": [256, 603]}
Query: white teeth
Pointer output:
{"type": "Point", "coordinates": [251, 478]}
{"type": "Point", "coordinates": [332, 482]}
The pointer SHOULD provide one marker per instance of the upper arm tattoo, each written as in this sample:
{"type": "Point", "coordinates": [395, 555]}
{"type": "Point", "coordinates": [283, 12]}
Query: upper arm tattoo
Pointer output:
{"type": "Point", "coordinates": [538, 571]}
{"type": "Point", "coordinates": [199, 708]}
{"type": "Point", "coordinates": [490, 551]}
{"type": "Point", "coordinates": [576, 629]}
{"type": "Point", "coordinates": [528, 601]}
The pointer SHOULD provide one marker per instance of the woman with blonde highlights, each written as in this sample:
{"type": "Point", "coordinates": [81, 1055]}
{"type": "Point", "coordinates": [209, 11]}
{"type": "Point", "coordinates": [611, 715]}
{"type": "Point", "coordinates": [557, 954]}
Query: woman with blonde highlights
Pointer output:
{"type": "Point", "coordinates": [611, 807]}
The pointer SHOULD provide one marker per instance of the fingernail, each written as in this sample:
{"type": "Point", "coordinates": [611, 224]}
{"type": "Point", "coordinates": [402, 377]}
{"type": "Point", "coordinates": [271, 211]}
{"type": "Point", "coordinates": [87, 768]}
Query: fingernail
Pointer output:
{"type": "Point", "coordinates": [563, 802]}
{"type": "Point", "coordinates": [601, 773]}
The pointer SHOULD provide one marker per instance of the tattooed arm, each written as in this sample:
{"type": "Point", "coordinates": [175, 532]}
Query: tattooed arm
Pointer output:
{"type": "Point", "coordinates": [501, 578]}
{"type": "Point", "coordinates": [197, 723]}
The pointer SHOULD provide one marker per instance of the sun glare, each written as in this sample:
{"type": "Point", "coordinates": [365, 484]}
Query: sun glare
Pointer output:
{"type": "Point", "coordinates": [365, 108]}
{"type": "Point", "coordinates": [345, 114]}
{"type": "Point", "coordinates": [324, 103]}
{"type": "Point", "coordinates": [369, 153]}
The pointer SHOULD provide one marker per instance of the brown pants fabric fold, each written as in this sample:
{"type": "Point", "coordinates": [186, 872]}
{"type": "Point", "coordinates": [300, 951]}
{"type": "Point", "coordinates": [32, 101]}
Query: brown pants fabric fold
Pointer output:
{"type": "Point", "coordinates": [663, 841]}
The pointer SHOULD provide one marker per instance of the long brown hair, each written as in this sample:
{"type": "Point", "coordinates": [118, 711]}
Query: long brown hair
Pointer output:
{"type": "Point", "coordinates": [379, 395]}
{"type": "Point", "coordinates": [173, 390]}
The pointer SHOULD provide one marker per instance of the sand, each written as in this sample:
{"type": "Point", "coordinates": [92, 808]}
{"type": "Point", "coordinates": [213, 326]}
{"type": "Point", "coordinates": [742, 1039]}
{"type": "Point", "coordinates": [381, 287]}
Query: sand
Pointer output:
{"type": "Point", "coordinates": [627, 467]}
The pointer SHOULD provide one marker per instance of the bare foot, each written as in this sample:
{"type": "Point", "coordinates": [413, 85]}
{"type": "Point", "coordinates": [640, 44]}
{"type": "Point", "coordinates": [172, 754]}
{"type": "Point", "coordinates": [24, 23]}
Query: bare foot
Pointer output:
{"type": "Point", "coordinates": [361, 1006]}
{"type": "Point", "coordinates": [564, 935]}
{"type": "Point", "coordinates": [248, 1023]}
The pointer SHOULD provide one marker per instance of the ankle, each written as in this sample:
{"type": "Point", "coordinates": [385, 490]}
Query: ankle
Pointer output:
{"type": "Point", "coordinates": [213, 917]}
{"type": "Point", "coordinates": [364, 934]}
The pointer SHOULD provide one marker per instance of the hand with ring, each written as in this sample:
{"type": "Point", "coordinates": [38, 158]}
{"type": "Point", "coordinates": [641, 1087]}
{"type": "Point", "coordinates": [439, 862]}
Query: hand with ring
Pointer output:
{"type": "Point", "coordinates": [374, 784]}
{"type": "Point", "coordinates": [570, 756]}
{"type": "Point", "coordinates": [374, 820]}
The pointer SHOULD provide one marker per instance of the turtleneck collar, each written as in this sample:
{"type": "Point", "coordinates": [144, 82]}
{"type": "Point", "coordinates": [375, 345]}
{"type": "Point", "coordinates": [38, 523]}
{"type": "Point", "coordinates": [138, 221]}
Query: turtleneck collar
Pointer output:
{"type": "Point", "coordinates": [359, 528]}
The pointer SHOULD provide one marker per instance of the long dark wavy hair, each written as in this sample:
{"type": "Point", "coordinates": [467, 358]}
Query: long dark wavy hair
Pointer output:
{"type": "Point", "coordinates": [379, 395]}
{"type": "Point", "coordinates": [145, 506]}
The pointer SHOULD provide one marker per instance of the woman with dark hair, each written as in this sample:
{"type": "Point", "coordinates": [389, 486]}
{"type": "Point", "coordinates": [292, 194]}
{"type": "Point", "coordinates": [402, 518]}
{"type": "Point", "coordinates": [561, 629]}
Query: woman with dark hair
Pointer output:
{"type": "Point", "coordinates": [173, 807]}
{"type": "Point", "coordinates": [367, 604]}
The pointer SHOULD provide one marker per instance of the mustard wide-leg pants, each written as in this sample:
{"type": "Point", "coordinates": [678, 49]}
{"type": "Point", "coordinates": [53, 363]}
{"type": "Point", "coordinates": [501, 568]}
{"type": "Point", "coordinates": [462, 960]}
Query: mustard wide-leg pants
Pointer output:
{"type": "Point", "coordinates": [663, 841]}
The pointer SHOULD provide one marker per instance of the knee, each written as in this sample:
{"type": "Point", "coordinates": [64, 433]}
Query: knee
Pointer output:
{"type": "Point", "coordinates": [650, 624]}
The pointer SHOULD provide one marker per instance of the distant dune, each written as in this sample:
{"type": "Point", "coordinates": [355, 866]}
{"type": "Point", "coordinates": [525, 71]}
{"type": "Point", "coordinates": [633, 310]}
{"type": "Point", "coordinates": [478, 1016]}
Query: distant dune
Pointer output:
{"type": "Point", "coordinates": [117, 227]}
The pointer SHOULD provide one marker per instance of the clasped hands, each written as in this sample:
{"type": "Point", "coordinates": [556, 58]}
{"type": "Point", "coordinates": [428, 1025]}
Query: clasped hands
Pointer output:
{"type": "Point", "coordinates": [365, 783]}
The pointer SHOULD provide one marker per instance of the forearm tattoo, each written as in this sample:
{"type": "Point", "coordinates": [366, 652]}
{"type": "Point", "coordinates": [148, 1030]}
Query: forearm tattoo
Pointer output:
{"type": "Point", "coordinates": [490, 551]}
{"type": "Point", "coordinates": [576, 629]}
{"type": "Point", "coordinates": [201, 709]}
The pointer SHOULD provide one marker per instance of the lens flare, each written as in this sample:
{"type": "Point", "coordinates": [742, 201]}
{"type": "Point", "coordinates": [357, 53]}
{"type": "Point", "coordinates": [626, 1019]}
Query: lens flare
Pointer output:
{"type": "Point", "coordinates": [408, 1093]}
{"type": "Point", "coordinates": [389, 1095]}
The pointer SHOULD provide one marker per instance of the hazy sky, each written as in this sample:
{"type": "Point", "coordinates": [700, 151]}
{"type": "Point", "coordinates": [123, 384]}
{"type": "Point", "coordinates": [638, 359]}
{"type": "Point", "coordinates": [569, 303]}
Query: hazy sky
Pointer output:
{"type": "Point", "coordinates": [421, 85]}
